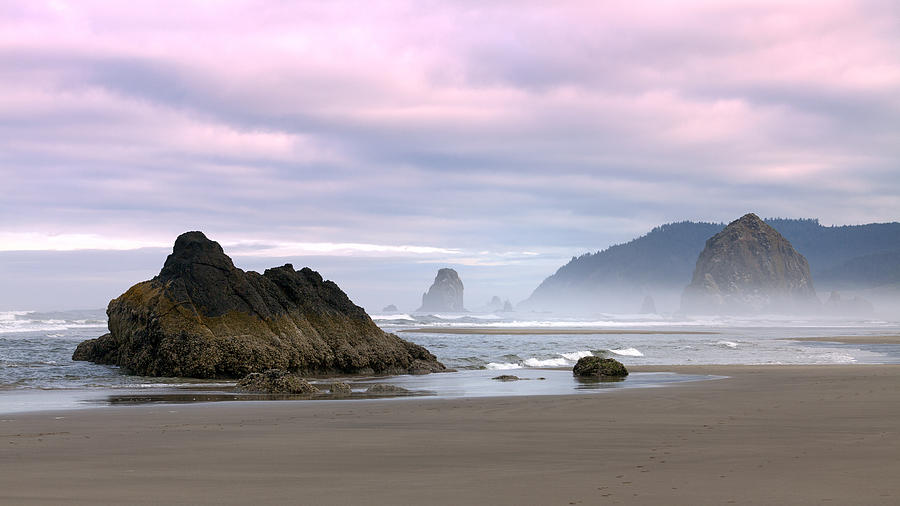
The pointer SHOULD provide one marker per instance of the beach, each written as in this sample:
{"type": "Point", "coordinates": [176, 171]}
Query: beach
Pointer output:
{"type": "Point", "coordinates": [821, 434]}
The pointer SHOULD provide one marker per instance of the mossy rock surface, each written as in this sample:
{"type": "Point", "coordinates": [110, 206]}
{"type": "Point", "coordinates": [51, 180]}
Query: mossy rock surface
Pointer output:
{"type": "Point", "coordinates": [599, 367]}
{"type": "Point", "coordinates": [340, 388]}
{"type": "Point", "coordinates": [382, 388]}
{"type": "Point", "coordinates": [202, 317]}
{"type": "Point", "coordinates": [275, 381]}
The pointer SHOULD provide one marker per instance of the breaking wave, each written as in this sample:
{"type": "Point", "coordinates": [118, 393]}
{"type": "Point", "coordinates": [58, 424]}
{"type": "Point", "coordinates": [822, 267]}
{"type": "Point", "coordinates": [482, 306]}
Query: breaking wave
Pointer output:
{"type": "Point", "coordinates": [628, 352]}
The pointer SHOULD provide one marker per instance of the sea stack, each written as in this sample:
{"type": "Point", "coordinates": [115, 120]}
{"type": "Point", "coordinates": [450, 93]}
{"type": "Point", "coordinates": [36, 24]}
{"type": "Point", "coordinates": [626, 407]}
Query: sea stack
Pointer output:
{"type": "Point", "coordinates": [202, 317]}
{"type": "Point", "coordinates": [445, 294]}
{"type": "Point", "coordinates": [648, 306]}
{"type": "Point", "coordinates": [750, 268]}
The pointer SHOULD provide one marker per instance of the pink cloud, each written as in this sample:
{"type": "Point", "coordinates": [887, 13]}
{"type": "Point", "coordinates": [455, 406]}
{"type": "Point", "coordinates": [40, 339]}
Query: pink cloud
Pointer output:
{"type": "Point", "coordinates": [281, 97]}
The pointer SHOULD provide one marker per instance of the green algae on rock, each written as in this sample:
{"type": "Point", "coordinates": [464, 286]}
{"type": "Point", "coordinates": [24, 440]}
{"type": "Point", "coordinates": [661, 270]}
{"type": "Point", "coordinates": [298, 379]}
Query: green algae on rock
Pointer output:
{"type": "Point", "coordinates": [275, 381]}
{"type": "Point", "coordinates": [597, 367]}
{"type": "Point", "coordinates": [202, 317]}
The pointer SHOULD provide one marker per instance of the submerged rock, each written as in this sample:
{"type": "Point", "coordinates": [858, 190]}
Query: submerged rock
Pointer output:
{"type": "Point", "coordinates": [445, 294]}
{"type": "Point", "coordinates": [383, 388]}
{"type": "Point", "coordinates": [203, 317]}
{"type": "Point", "coordinates": [506, 377]}
{"type": "Point", "coordinates": [275, 381]}
{"type": "Point", "coordinates": [750, 268]}
{"type": "Point", "coordinates": [596, 367]}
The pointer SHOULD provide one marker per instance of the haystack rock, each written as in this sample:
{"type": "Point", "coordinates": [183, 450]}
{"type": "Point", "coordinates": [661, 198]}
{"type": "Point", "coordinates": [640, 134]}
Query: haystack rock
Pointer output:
{"type": "Point", "coordinates": [750, 268]}
{"type": "Point", "coordinates": [445, 294]}
{"type": "Point", "coordinates": [203, 317]}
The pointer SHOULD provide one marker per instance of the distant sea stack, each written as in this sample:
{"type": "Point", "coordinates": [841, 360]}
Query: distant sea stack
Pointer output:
{"type": "Point", "coordinates": [749, 268]}
{"type": "Point", "coordinates": [855, 306]}
{"type": "Point", "coordinates": [202, 317]}
{"type": "Point", "coordinates": [648, 306]}
{"type": "Point", "coordinates": [445, 294]}
{"type": "Point", "coordinates": [496, 305]}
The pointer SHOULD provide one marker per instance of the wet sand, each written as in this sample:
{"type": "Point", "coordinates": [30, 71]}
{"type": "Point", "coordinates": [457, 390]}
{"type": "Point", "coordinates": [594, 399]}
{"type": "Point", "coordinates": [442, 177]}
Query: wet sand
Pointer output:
{"type": "Point", "coordinates": [547, 331]}
{"type": "Point", "coordinates": [887, 339]}
{"type": "Point", "coordinates": [766, 435]}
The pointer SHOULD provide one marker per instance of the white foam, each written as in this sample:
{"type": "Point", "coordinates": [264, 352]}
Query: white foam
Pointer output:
{"type": "Point", "coordinates": [730, 344]}
{"type": "Point", "coordinates": [575, 355]}
{"type": "Point", "coordinates": [392, 317]}
{"type": "Point", "coordinates": [628, 352]}
{"type": "Point", "coordinates": [502, 366]}
{"type": "Point", "coordinates": [550, 362]}
{"type": "Point", "coordinates": [11, 315]}
{"type": "Point", "coordinates": [834, 357]}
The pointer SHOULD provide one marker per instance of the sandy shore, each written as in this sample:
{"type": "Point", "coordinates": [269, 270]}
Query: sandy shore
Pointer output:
{"type": "Point", "coordinates": [766, 435]}
{"type": "Point", "coordinates": [887, 339]}
{"type": "Point", "coordinates": [548, 331]}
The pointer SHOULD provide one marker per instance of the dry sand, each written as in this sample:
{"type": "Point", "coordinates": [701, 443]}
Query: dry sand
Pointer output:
{"type": "Point", "coordinates": [766, 435]}
{"type": "Point", "coordinates": [548, 331]}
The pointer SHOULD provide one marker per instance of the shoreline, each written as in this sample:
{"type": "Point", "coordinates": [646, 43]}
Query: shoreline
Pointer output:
{"type": "Point", "coordinates": [765, 435]}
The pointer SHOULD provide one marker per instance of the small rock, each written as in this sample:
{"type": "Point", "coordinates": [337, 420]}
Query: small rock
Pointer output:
{"type": "Point", "coordinates": [275, 381]}
{"type": "Point", "coordinates": [383, 388]}
{"type": "Point", "coordinates": [506, 377]}
{"type": "Point", "coordinates": [340, 388]}
{"type": "Point", "coordinates": [596, 367]}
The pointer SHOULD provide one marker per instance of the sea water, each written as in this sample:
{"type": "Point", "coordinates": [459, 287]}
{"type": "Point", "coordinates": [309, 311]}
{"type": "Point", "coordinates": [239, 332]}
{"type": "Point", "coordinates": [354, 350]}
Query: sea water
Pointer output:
{"type": "Point", "coordinates": [37, 370]}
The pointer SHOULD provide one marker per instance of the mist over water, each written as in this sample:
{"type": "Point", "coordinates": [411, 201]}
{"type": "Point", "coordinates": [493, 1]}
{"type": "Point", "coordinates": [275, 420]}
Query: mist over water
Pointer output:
{"type": "Point", "coordinates": [36, 368]}
{"type": "Point", "coordinates": [682, 340]}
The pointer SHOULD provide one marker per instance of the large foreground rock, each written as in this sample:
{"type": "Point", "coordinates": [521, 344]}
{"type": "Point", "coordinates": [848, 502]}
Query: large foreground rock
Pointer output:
{"type": "Point", "coordinates": [203, 317]}
{"type": "Point", "coordinates": [599, 367]}
{"type": "Point", "coordinates": [445, 294]}
{"type": "Point", "coordinates": [750, 268]}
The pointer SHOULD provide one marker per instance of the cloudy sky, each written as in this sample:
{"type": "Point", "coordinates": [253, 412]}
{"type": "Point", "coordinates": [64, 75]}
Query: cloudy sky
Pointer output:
{"type": "Point", "coordinates": [377, 143]}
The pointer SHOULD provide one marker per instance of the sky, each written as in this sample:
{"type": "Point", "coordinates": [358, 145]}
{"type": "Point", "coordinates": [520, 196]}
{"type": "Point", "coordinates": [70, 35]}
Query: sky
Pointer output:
{"type": "Point", "coordinates": [378, 142]}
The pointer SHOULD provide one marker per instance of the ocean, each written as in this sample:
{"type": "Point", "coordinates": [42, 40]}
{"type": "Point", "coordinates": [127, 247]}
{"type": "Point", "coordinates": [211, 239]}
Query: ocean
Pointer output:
{"type": "Point", "coordinates": [37, 372]}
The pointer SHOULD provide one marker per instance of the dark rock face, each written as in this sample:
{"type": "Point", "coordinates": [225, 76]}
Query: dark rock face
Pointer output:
{"type": "Point", "coordinates": [445, 294]}
{"type": "Point", "coordinates": [596, 367]}
{"type": "Point", "coordinates": [275, 381]}
{"type": "Point", "coordinates": [203, 317]}
{"type": "Point", "coordinates": [749, 268]}
{"type": "Point", "coordinates": [648, 306]}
